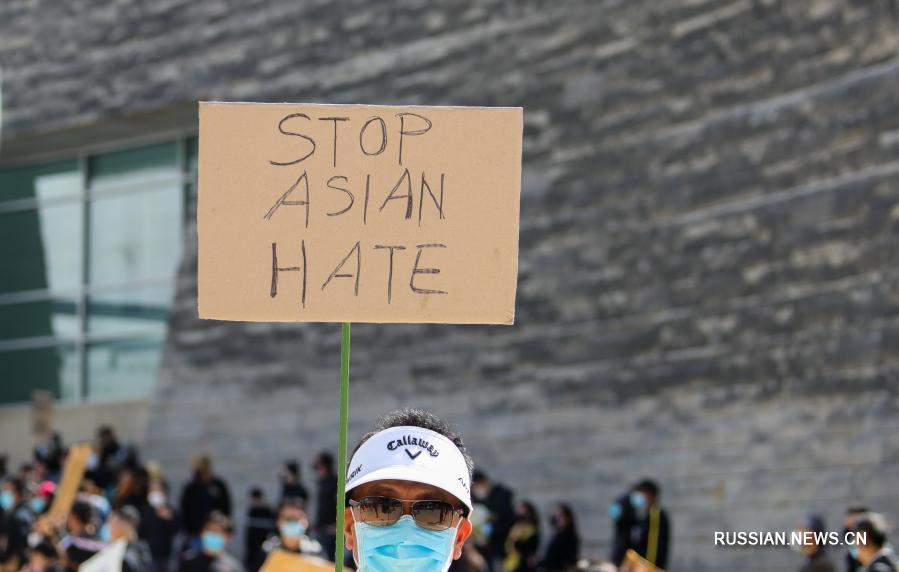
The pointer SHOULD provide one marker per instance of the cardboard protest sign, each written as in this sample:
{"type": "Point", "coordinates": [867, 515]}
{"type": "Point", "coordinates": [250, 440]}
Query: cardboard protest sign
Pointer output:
{"type": "Point", "coordinates": [72, 473]}
{"type": "Point", "coordinates": [633, 562]}
{"type": "Point", "coordinates": [107, 560]}
{"type": "Point", "coordinates": [357, 213]}
{"type": "Point", "coordinates": [283, 561]}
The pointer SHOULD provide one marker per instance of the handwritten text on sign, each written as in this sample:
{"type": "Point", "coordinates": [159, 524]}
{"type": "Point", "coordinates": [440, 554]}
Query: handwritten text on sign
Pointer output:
{"type": "Point", "coordinates": [358, 213]}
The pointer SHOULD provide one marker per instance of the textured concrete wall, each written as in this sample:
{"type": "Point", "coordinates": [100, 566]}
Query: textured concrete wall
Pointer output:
{"type": "Point", "coordinates": [709, 290]}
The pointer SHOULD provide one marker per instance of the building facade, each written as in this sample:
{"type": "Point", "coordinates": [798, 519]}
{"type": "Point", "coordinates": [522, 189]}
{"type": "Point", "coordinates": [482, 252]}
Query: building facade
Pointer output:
{"type": "Point", "coordinates": [708, 289]}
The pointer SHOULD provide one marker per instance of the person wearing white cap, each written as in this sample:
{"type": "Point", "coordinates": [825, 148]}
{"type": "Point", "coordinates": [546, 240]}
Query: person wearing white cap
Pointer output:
{"type": "Point", "coordinates": [408, 495]}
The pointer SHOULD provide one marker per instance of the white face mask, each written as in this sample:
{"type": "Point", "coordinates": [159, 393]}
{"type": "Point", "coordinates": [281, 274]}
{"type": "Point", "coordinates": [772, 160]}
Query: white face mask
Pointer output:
{"type": "Point", "coordinates": [34, 538]}
{"type": "Point", "coordinates": [156, 499]}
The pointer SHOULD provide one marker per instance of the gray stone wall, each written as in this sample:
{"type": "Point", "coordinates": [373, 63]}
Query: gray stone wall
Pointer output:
{"type": "Point", "coordinates": [709, 290]}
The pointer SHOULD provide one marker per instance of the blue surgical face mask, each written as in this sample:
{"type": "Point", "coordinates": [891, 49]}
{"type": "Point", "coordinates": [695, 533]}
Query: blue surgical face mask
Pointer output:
{"type": "Point", "coordinates": [403, 547]}
{"type": "Point", "coordinates": [105, 535]}
{"type": "Point", "coordinates": [638, 500]}
{"type": "Point", "coordinates": [853, 551]}
{"type": "Point", "coordinates": [292, 529]}
{"type": "Point", "coordinates": [213, 542]}
{"type": "Point", "coordinates": [7, 501]}
{"type": "Point", "coordinates": [37, 504]}
{"type": "Point", "coordinates": [615, 511]}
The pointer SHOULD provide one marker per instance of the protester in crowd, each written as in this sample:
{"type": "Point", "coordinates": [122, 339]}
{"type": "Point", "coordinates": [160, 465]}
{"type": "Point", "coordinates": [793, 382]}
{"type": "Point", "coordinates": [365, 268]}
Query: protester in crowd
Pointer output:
{"type": "Point", "coordinates": [82, 539]}
{"type": "Point", "coordinates": [18, 517]}
{"type": "Point", "coordinates": [211, 556]}
{"type": "Point", "coordinates": [131, 488]}
{"type": "Point", "coordinates": [326, 502]}
{"type": "Point", "coordinates": [853, 512]}
{"type": "Point", "coordinates": [292, 525]}
{"type": "Point", "coordinates": [43, 558]}
{"type": "Point", "coordinates": [564, 545]}
{"type": "Point", "coordinates": [123, 524]}
{"type": "Point", "coordinates": [106, 470]}
{"type": "Point", "coordinates": [291, 486]}
{"type": "Point", "coordinates": [523, 540]}
{"type": "Point", "coordinates": [159, 524]}
{"type": "Point", "coordinates": [260, 524]}
{"type": "Point", "coordinates": [42, 497]}
{"type": "Point", "coordinates": [93, 494]}
{"type": "Point", "coordinates": [204, 494]}
{"type": "Point", "coordinates": [873, 552]}
{"type": "Point", "coordinates": [624, 521]}
{"type": "Point", "coordinates": [498, 500]}
{"type": "Point", "coordinates": [49, 453]}
{"type": "Point", "coordinates": [653, 530]}
{"type": "Point", "coordinates": [814, 552]}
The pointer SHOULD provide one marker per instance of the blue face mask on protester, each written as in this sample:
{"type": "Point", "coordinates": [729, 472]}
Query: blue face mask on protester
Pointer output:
{"type": "Point", "coordinates": [292, 529]}
{"type": "Point", "coordinates": [638, 500]}
{"type": "Point", "coordinates": [615, 511]}
{"type": "Point", "coordinates": [37, 504]}
{"type": "Point", "coordinates": [105, 535]}
{"type": "Point", "coordinates": [213, 542]}
{"type": "Point", "coordinates": [404, 547]}
{"type": "Point", "coordinates": [853, 551]}
{"type": "Point", "coordinates": [7, 501]}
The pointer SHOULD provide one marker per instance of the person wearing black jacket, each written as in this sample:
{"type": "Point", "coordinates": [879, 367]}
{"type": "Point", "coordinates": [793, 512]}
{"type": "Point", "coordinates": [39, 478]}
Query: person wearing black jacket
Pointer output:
{"type": "Point", "coordinates": [853, 512]}
{"type": "Point", "coordinates": [204, 494]}
{"type": "Point", "coordinates": [123, 524]}
{"type": "Point", "coordinates": [564, 546]}
{"type": "Point", "coordinates": [326, 503]}
{"type": "Point", "coordinates": [106, 472]}
{"type": "Point", "coordinates": [260, 524]}
{"type": "Point", "coordinates": [624, 518]}
{"type": "Point", "coordinates": [159, 525]}
{"type": "Point", "coordinates": [291, 486]}
{"type": "Point", "coordinates": [498, 500]}
{"type": "Point", "coordinates": [49, 452]}
{"type": "Point", "coordinates": [816, 559]}
{"type": "Point", "coordinates": [523, 540]}
{"type": "Point", "coordinates": [17, 520]}
{"type": "Point", "coordinates": [872, 550]}
{"type": "Point", "coordinates": [652, 532]}
{"type": "Point", "coordinates": [81, 541]}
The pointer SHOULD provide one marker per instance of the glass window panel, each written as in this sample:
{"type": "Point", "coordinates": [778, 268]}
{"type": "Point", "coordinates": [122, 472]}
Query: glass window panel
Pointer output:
{"type": "Point", "coordinates": [128, 161]}
{"type": "Point", "coordinates": [53, 369]}
{"type": "Point", "coordinates": [136, 236]}
{"type": "Point", "coordinates": [55, 317]}
{"type": "Point", "coordinates": [135, 169]}
{"type": "Point", "coordinates": [123, 368]}
{"type": "Point", "coordinates": [48, 181]}
{"type": "Point", "coordinates": [192, 151]}
{"type": "Point", "coordinates": [45, 245]}
{"type": "Point", "coordinates": [130, 310]}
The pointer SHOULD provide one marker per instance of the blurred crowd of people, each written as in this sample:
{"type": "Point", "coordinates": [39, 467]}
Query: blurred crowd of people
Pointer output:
{"type": "Point", "coordinates": [507, 533]}
{"type": "Point", "coordinates": [121, 498]}
{"type": "Point", "coordinates": [874, 555]}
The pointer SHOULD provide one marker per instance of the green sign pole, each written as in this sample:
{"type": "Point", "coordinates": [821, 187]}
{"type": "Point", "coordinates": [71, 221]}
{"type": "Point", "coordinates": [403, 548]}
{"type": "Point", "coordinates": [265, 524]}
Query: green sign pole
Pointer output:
{"type": "Point", "coordinates": [341, 445]}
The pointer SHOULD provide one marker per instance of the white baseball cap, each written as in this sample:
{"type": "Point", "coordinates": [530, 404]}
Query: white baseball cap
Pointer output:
{"type": "Point", "coordinates": [409, 453]}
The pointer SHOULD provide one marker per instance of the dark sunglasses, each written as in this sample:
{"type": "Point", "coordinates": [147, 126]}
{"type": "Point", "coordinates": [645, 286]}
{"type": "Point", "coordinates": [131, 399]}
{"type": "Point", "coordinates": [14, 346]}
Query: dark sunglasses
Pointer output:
{"type": "Point", "coordinates": [385, 511]}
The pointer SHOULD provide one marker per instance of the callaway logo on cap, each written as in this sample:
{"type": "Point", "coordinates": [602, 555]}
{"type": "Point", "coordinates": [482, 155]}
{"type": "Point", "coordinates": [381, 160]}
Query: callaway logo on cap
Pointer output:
{"type": "Point", "coordinates": [411, 454]}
